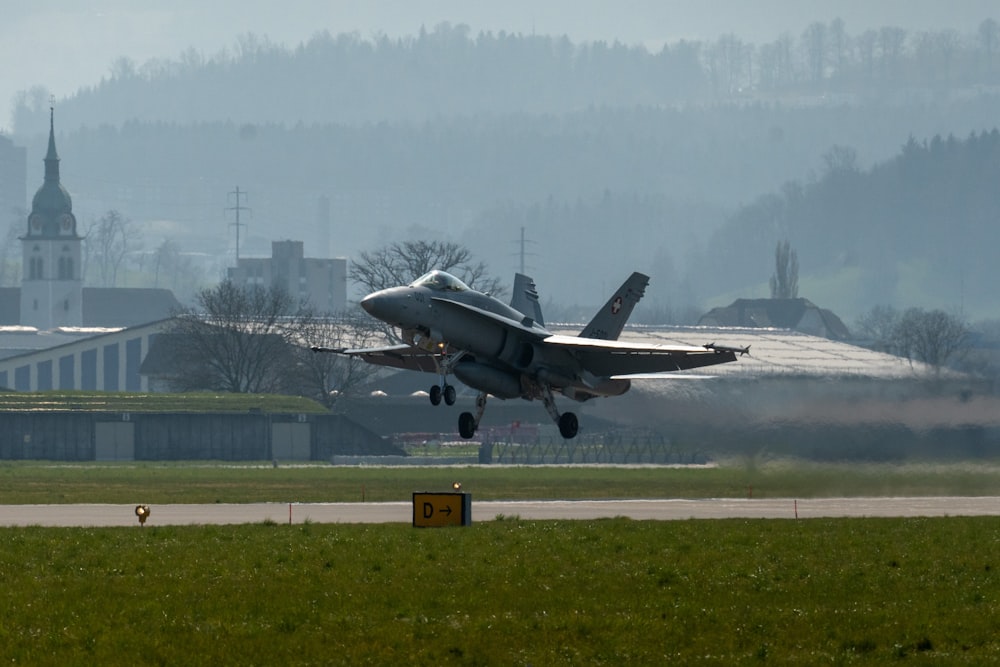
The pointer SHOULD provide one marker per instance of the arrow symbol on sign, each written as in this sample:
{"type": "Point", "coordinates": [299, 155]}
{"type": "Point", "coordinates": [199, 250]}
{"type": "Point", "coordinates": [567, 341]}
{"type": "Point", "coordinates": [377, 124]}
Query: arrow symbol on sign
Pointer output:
{"type": "Point", "coordinates": [446, 510]}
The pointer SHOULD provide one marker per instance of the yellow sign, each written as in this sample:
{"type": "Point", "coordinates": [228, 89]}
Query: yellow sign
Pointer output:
{"type": "Point", "coordinates": [431, 510]}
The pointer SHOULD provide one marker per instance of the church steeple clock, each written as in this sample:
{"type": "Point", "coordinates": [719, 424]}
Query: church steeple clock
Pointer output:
{"type": "Point", "coordinates": [51, 284]}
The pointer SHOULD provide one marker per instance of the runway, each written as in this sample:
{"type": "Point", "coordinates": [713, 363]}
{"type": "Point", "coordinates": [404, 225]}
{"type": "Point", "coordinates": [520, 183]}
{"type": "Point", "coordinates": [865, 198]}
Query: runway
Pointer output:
{"type": "Point", "coordinates": [402, 512]}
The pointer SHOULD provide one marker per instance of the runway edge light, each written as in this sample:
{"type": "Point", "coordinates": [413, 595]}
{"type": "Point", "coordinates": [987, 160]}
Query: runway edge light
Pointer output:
{"type": "Point", "coordinates": [142, 511]}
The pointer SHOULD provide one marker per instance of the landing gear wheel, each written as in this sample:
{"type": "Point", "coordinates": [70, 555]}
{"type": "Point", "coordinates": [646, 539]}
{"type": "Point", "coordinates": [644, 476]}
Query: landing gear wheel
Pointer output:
{"type": "Point", "coordinates": [449, 394]}
{"type": "Point", "coordinates": [568, 425]}
{"type": "Point", "coordinates": [435, 395]}
{"type": "Point", "coordinates": [466, 425]}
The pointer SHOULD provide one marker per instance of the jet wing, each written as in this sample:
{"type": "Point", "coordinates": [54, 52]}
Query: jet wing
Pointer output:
{"type": "Point", "coordinates": [622, 359]}
{"type": "Point", "coordinates": [402, 356]}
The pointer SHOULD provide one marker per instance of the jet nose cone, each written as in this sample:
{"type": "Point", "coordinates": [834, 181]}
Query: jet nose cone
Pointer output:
{"type": "Point", "coordinates": [379, 304]}
{"type": "Point", "coordinates": [388, 305]}
{"type": "Point", "coordinates": [370, 303]}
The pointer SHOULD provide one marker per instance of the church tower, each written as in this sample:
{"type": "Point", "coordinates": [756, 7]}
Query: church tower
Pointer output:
{"type": "Point", "coordinates": [51, 284]}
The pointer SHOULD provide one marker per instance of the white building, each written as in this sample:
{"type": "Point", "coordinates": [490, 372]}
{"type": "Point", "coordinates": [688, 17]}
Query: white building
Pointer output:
{"type": "Point", "coordinates": [51, 282]}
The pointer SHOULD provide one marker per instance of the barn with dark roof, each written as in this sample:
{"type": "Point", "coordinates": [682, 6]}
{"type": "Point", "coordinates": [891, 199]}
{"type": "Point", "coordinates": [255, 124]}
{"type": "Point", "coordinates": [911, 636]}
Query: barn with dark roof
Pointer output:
{"type": "Point", "coordinates": [800, 315]}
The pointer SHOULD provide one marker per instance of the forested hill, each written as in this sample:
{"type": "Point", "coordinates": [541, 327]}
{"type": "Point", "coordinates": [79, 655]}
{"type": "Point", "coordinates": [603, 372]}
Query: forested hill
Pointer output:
{"type": "Point", "coordinates": [920, 229]}
{"type": "Point", "coordinates": [348, 79]}
{"type": "Point", "coordinates": [447, 71]}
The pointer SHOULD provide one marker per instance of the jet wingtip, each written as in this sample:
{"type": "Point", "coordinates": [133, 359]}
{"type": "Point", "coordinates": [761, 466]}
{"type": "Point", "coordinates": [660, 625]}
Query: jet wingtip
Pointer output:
{"type": "Point", "coordinates": [742, 351]}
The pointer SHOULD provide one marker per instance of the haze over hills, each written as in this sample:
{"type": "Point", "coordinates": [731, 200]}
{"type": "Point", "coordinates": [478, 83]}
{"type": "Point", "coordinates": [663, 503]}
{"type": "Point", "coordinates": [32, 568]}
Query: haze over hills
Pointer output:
{"type": "Point", "coordinates": [83, 41]}
{"type": "Point", "coordinates": [611, 157]}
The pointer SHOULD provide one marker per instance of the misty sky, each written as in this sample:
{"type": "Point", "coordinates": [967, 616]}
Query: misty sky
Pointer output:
{"type": "Point", "coordinates": [66, 44]}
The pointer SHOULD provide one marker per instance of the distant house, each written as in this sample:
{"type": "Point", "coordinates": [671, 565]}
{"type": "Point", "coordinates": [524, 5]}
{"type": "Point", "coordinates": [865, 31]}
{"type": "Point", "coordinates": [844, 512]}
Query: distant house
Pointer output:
{"type": "Point", "coordinates": [800, 315]}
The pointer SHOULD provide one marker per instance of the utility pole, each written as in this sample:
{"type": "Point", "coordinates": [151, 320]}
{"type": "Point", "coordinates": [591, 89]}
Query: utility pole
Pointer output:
{"type": "Point", "coordinates": [522, 253]}
{"type": "Point", "coordinates": [237, 208]}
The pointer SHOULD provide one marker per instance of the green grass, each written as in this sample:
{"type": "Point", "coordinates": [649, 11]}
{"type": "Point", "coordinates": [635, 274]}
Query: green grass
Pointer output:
{"type": "Point", "coordinates": [100, 401]}
{"type": "Point", "coordinates": [502, 592]}
{"type": "Point", "coordinates": [40, 482]}
{"type": "Point", "coordinates": [506, 592]}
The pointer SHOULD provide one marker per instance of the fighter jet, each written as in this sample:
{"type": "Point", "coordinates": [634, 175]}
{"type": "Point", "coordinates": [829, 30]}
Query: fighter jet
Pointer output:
{"type": "Point", "coordinates": [505, 350]}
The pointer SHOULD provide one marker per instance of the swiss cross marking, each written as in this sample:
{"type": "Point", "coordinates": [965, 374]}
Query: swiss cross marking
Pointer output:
{"type": "Point", "coordinates": [616, 305]}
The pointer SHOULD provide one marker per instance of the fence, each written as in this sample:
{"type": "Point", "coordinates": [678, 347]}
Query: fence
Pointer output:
{"type": "Point", "coordinates": [607, 448]}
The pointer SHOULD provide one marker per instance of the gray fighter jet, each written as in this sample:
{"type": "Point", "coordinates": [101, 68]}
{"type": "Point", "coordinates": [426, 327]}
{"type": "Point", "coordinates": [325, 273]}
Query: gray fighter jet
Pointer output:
{"type": "Point", "coordinates": [450, 329]}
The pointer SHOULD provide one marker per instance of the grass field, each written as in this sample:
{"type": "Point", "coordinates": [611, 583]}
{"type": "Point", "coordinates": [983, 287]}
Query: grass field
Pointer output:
{"type": "Point", "coordinates": [42, 482]}
{"type": "Point", "coordinates": [501, 592]}
{"type": "Point", "coordinates": [506, 592]}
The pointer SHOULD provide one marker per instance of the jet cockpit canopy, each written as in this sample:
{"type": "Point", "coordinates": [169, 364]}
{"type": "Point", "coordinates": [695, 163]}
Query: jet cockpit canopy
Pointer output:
{"type": "Point", "coordinates": [440, 280]}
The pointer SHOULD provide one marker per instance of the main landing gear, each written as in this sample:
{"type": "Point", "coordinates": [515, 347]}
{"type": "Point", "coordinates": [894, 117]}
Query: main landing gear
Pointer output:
{"type": "Point", "coordinates": [569, 425]}
{"type": "Point", "coordinates": [468, 423]}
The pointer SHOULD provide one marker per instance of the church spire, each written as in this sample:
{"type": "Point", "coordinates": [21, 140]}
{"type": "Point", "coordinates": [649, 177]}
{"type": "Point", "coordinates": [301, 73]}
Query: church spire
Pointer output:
{"type": "Point", "coordinates": [52, 207]}
{"type": "Point", "coordinates": [52, 157]}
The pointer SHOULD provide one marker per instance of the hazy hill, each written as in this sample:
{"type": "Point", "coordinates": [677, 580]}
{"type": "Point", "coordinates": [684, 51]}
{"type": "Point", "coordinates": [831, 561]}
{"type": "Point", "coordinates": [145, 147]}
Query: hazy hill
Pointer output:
{"type": "Point", "coordinates": [612, 157]}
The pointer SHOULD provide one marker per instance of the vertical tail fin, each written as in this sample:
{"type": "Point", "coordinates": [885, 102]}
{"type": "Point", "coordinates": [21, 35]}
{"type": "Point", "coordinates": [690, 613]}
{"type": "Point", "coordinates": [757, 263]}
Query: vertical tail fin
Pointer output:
{"type": "Point", "coordinates": [610, 320]}
{"type": "Point", "coordinates": [525, 298]}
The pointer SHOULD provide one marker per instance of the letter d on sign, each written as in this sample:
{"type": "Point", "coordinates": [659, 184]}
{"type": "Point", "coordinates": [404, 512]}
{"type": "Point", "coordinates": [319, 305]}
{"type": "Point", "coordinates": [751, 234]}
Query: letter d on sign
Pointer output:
{"type": "Point", "coordinates": [428, 510]}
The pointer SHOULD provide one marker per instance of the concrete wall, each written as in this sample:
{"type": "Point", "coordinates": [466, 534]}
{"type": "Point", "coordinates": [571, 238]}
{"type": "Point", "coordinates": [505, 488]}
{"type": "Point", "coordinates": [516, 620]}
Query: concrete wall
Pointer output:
{"type": "Point", "coordinates": [90, 436]}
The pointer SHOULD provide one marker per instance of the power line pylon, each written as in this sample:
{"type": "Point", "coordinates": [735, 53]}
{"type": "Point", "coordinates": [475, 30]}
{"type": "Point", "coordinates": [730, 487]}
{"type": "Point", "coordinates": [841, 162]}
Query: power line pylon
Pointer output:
{"type": "Point", "coordinates": [238, 208]}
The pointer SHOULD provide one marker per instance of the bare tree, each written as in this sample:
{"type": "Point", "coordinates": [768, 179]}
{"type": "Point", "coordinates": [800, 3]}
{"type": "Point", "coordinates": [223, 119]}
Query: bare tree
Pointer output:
{"type": "Point", "coordinates": [774, 63]}
{"type": "Point", "coordinates": [948, 44]}
{"type": "Point", "coordinates": [401, 263]}
{"type": "Point", "coordinates": [176, 271]}
{"type": "Point", "coordinates": [785, 281]}
{"type": "Point", "coordinates": [166, 259]}
{"type": "Point", "coordinates": [334, 379]}
{"type": "Point", "coordinates": [839, 46]}
{"type": "Point", "coordinates": [840, 159]}
{"type": "Point", "coordinates": [933, 337]}
{"type": "Point", "coordinates": [729, 64]}
{"type": "Point", "coordinates": [890, 42]}
{"type": "Point", "coordinates": [814, 42]}
{"type": "Point", "coordinates": [108, 241]}
{"type": "Point", "coordinates": [879, 326]}
{"type": "Point", "coordinates": [867, 42]}
{"type": "Point", "coordinates": [238, 339]}
{"type": "Point", "coordinates": [989, 38]}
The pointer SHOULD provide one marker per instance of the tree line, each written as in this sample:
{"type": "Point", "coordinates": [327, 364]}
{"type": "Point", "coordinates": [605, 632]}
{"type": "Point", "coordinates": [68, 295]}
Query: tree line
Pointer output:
{"type": "Point", "coordinates": [448, 70]}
